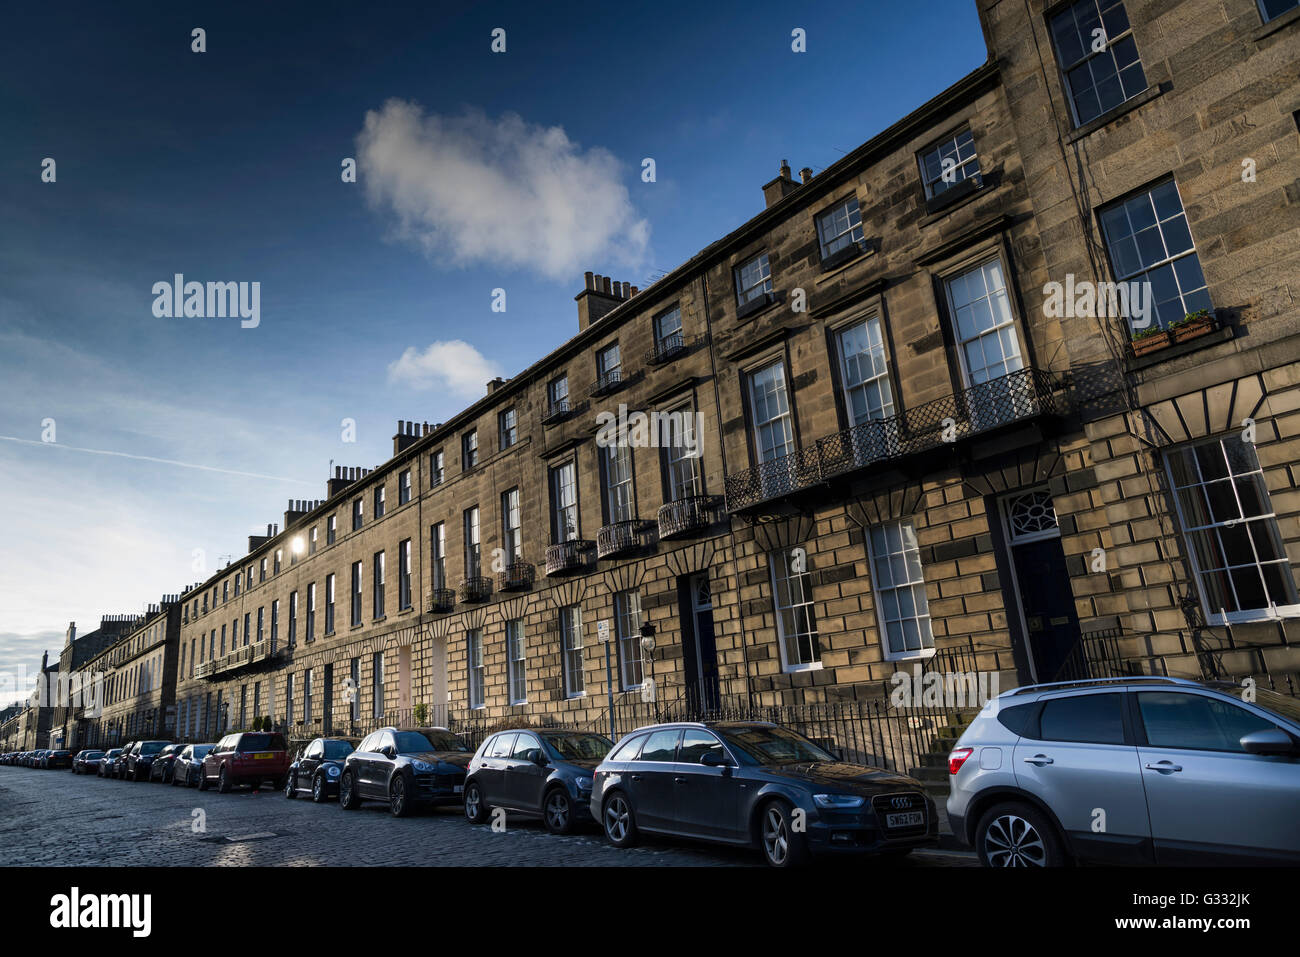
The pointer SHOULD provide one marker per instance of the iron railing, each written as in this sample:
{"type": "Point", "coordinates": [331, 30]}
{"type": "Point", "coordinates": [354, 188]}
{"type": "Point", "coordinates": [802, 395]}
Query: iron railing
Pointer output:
{"type": "Point", "coordinates": [619, 538]}
{"type": "Point", "coordinates": [557, 411]}
{"type": "Point", "coordinates": [688, 515]}
{"type": "Point", "coordinates": [518, 576]}
{"type": "Point", "coordinates": [441, 601]}
{"type": "Point", "coordinates": [606, 383]}
{"type": "Point", "coordinates": [1020, 395]}
{"type": "Point", "coordinates": [666, 350]}
{"type": "Point", "coordinates": [255, 653]}
{"type": "Point", "coordinates": [475, 589]}
{"type": "Point", "coordinates": [567, 556]}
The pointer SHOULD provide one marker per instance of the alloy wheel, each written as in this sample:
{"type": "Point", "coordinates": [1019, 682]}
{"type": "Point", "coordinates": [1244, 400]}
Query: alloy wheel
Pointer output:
{"type": "Point", "coordinates": [776, 840]}
{"type": "Point", "coordinates": [472, 801]}
{"type": "Point", "coordinates": [1011, 841]}
{"type": "Point", "coordinates": [318, 789]}
{"type": "Point", "coordinates": [557, 811]}
{"type": "Point", "coordinates": [617, 817]}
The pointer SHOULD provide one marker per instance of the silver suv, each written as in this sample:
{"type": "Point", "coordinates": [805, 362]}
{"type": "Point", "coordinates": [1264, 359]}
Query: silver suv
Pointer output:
{"type": "Point", "coordinates": [1131, 770]}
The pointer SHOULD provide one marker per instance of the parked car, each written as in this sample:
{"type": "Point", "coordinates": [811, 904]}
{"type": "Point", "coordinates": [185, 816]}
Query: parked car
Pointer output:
{"type": "Point", "coordinates": [119, 765]}
{"type": "Point", "coordinates": [86, 761]}
{"type": "Point", "coordinates": [58, 759]}
{"type": "Point", "coordinates": [106, 763]}
{"type": "Point", "coordinates": [318, 767]}
{"type": "Point", "coordinates": [160, 769]}
{"type": "Point", "coordinates": [246, 757]}
{"type": "Point", "coordinates": [138, 759]}
{"type": "Point", "coordinates": [405, 768]}
{"type": "Point", "coordinates": [1026, 775]}
{"type": "Point", "coordinates": [752, 783]}
{"type": "Point", "coordinates": [546, 773]}
{"type": "Point", "coordinates": [40, 758]}
{"type": "Point", "coordinates": [188, 764]}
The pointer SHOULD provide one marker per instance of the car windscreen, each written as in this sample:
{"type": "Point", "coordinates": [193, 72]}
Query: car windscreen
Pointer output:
{"type": "Point", "coordinates": [201, 749]}
{"type": "Point", "coordinates": [1280, 705]}
{"type": "Point", "coordinates": [114, 753]}
{"type": "Point", "coordinates": [438, 741]}
{"type": "Point", "coordinates": [89, 755]}
{"type": "Point", "coordinates": [262, 742]}
{"type": "Point", "coordinates": [578, 747]}
{"type": "Point", "coordinates": [152, 747]}
{"type": "Point", "coordinates": [335, 750]}
{"type": "Point", "coordinates": [412, 742]}
{"type": "Point", "coordinates": [773, 745]}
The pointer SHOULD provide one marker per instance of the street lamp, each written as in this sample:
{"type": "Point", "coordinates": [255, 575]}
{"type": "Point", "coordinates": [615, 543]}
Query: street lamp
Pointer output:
{"type": "Point", "coordinates": [648, 654]}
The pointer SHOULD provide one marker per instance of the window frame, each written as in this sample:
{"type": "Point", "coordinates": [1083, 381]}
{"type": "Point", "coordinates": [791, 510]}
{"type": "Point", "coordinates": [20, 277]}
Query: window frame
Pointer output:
{"type": "Point", "coordinates": [782, 557]}
{"type": "Point", "coordinates": [1063, 70]}
{"type": "Point", "coordinates": [878, 600]}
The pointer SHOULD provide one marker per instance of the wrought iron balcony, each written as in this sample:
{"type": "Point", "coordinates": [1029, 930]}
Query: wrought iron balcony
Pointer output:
{"type": "Point", "coordinates": [688, 515]}
{"type": "Point", "coordinates": [441, 601]}
{"type": "Point", "coordinates": [518, 576]}
{"type": "Point", "coordinates": [244, 657]}
{"type": "Point", "coordinates": [475, 589]}
{"type": "Point", "coordinates": [557, 411]}
{"type": "Point", "coordinates": [666, 350]}
{"type": "Point", "coordinates": [1021, 395]}
{"type": "Point", "coordinates": [567, 557]}
{"type": "Point", "coordinates": [620, 538]}
{"type": "Point", "coordinates": [607, 382]}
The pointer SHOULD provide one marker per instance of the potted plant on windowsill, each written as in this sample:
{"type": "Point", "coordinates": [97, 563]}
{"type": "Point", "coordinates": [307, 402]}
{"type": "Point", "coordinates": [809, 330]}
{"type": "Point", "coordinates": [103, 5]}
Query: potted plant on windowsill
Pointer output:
{"type": "Point", "coordinates": [1149, 340]}
{"type": "Point", "coordinates": [1192, 325]}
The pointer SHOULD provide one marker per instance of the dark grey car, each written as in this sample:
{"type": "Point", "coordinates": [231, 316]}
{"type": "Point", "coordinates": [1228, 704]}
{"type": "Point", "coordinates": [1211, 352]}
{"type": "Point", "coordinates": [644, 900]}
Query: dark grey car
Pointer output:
{"type": "Point", "coordinates": [1135, 770]}
{"type": "Point", "coordinates": [547, 773]}
{"type": "Point", "coordinates": [756, 784]}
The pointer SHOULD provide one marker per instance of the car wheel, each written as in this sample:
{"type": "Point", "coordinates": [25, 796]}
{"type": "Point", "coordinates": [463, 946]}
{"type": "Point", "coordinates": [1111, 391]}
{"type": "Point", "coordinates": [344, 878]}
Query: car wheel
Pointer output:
{"type": "Point", "coordinates": [318, 789]}
{"type": "Point", "coordinates": [1017, 835]}
{"type": "Point", "coordinates": [203, 780]}
{"type": "Point", "coordinates": [223, 781]}
{"type": "Point", "coordinates": [782, 846]}
{"type": "Point", "coordinates": [476, 809]}
{"type": "Point", "coordinates": [290, 786]}
{"type": "Point", "coordinates": [557, 811]}
{"type": "Point", "coordinates": [348, 799]}
{"type": "Point", "coordinates": [620, 824]}
{"type": "Point", "coordinates": [399, 802]}
{"type": "Point", "coordinates": [173, 780]}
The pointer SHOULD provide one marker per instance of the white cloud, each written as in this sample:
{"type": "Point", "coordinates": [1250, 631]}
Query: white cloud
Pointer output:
{"type": "Point", "coordinates": [455, 367]}
{"type": "Point", "coordinates": [504, 192]}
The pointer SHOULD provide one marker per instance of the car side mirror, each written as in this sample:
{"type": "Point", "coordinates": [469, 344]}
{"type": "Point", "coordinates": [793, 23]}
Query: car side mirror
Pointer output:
{"type": "Point", "coordinates": [712, 759]}
{"type": "Point", "coordinates": [1269, 741]}
{"type": "Point", "coordinates": [389, 751]}
{"type": "Point", "coordinates": [537, 756]}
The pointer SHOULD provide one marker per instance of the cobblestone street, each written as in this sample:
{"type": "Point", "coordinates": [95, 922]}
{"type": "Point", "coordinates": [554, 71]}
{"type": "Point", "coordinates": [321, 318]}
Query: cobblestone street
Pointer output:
{"type": "Point", "coordinates": [54, 818]}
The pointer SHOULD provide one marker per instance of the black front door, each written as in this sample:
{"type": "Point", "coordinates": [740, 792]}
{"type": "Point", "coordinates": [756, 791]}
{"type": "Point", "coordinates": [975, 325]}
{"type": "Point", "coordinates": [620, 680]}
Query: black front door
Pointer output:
{"type": "Point", "coordinates": [1042, 584]}
{"type": "Point", "coordinates": [699, 648]}
{"type": "Point", "coordinates": [327, 708]}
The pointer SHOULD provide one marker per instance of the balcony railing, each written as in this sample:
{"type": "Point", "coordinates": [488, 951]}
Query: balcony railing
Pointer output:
{"type": "Point", "coordinates": [567, 557]}
{"type": "Point", "coordinates": [557, 411]}
{"type": "Point", "coordinates": [620, 538]}
{"type": "Point", "coordinates": [688, 515]}
{"type": "Point", "coordinates": [518, 576]}
{"type": "Point", "coordinates": [607, 382]}
{"type": "Point", "coordinates": [1021, 395]}
{"type": "Point", "coordinates": [239, 658]}
{"type": "Point", "coordinates": [475, 589]}
{"type": "Point", "coordinates": [441, 601]}
{"type": "Point", "coordinates": [666, 350]}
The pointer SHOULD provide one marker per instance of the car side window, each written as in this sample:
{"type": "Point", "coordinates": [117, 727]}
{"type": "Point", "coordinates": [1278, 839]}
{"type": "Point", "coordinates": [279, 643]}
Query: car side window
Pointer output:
{"type": "Point", "coordinates": [1176, 719]}
{"type": "Point", "coordinates": [315, 750]}
{"type": "Point", "coordinates": [502, 746]}
{"type": "Point", "coordinates": [696, 744]}
{"type": "Point", "coordinates": [366, 742]}
{"type": "Point", "coordinates": [386, 741]}
{"type": "Point", "coordinates": [523, 744]}
{"type": "Point", "coordinates": [661, 745]}
{"type": "Point", "coordinates": [1089, 718]}
{"type": "Point", "coordinates": [629, 749]}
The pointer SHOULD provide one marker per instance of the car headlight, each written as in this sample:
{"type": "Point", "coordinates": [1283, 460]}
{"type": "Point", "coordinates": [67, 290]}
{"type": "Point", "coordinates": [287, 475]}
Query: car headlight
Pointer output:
{"type": "Point", "coordinates": [838, 801]}
{"type": "Point", "coordinates": [423, 766]}
{"type": "Point", "coordinates": [584, 784]}
{"type": "Point", "coordinates": [333, 770]}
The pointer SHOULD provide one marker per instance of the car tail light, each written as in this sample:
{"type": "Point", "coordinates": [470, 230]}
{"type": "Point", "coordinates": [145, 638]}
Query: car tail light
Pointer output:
{"type": "Point", "coordinates": [958, 758]}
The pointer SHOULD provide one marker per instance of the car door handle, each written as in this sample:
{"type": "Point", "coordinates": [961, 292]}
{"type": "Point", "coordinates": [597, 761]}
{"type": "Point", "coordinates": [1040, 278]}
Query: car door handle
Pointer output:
{"type": "Point", "coordinates": [1164, 766]}
{"type": "Point", "coordinates": [679, 780]}
{"type": "Point", "coordinates": [636, 777]}
{"type": "Point", "coordinates": [1039, 759]}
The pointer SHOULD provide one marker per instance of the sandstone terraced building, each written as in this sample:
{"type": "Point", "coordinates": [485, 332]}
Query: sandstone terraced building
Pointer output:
{"type": "Point", "coordinates": [863, 431]}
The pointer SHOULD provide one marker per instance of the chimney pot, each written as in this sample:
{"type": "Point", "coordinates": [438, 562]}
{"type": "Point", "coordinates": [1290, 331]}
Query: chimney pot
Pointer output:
{"type": "Point", "coordinates": [805, 175]}
{"type": "Point", "coordinates": [604, 285]}
{"type": "Point", "coordinates": [589, 279]}
{"type": "Point", "coordinates": [785, 169]}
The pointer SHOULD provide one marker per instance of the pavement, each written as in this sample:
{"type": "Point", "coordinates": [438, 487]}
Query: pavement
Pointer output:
{"type": "Point", "coordinates": [55, 818]}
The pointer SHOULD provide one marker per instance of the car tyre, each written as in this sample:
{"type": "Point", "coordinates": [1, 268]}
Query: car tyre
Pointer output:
{"type": "Point", "coordinates": [318, 789]}
{"type": "Point", "coordinates": [223, 781]}
{"type": "Point", "coordinates": [557, 811]}
{"type": "Point", "coordinates": [619, 821]}
{"type": "Point", "coordinates": [782, 846]}
{"type": "Point", "coordinates": [203, 780]}
{"type": "Point", "coordinates": [290, 786]}
{"type": "Point", "coordinates": [1015, 834]}
{"type": "Point", "coordinates": [348, 798]}
{"type": "Point", "coordinates": [399, 801]}
{"type": "Point", "coordinates": [476, 809]}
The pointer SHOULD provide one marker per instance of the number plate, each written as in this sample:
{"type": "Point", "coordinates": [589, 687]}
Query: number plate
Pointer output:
{"type": "Point", "coordinates": [458, 788]}
{"type": "Point", "coordinates": [909, 819]}
{"type": "Point", "coordinates": [264, 754]}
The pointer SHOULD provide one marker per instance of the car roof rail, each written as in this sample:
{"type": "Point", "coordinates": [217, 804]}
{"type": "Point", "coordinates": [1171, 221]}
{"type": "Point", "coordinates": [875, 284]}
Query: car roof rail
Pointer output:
{"type": "Point", "coordinates": [1094, 682]}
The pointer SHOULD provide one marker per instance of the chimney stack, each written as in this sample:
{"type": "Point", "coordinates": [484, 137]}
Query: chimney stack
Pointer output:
{"type": "Point", "coordinates": [408, 433]}
{"type": "Point", "coordinates": [343, 477]}
{"type": "Point", "coordinates": [805, 175]}
{"type": "Point", "coordinates": [72, 634]}
{"type": "Point", "coordinates": [600, 296]}
{"type": "Point", "coordinates": [781, 187]}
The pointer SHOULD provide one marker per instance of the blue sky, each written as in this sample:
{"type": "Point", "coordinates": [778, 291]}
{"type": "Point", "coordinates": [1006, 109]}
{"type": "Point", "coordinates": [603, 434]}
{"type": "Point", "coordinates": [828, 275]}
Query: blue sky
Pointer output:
{"type": "Point", "coordinates": [477, 171]}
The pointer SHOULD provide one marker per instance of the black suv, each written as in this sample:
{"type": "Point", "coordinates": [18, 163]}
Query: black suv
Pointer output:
{"type": "Point", "coordinates": [757, 784]}
{"type": "Point", "coordinates": [406, 768]}
{"type": "Point", "coordinates": [318, 767]}
{"type": "Point", "coordinates": [538, 772]}
{"type": "Point", "coordinates": [135, 763]}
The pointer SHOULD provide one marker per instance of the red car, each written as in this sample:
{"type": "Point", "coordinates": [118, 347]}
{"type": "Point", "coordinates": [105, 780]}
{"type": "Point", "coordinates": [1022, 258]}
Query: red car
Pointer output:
{"type": "Point", "coordinates": [246, 757]}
